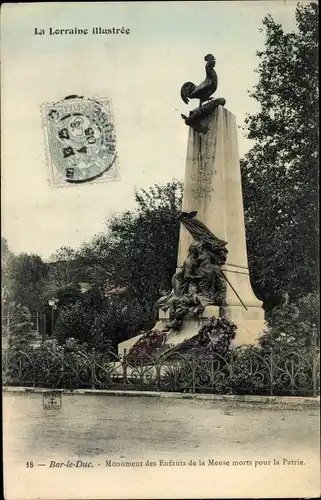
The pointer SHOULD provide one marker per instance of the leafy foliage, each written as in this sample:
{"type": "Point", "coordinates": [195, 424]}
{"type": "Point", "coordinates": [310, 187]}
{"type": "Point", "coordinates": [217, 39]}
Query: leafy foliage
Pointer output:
{"type": "Point", "coordinates": [68, 294]}
{"type": "Point", "coordinates": [294, 324]}
{"type": "Point", "coordinates": [120, 318]}
{"type": "Point", "coordinates": [214, 338]}
{"type": "Point", "coordinates": [102, 324]}
{"type": "Point", "coordinates": [25, 278]}
{"type": "Point", "coordinates": [280, 172]}
{"type": "Point", "coordinates": [139, 250]}
{"type": "Point", "coordinates": [145, 243]}
{"type": "Point", "coordinates": [5, 254]}
{"type": "Point", "coordinates": [63, 268]}
{"type": "Point", "coordinates": [75, 321]}
{"type": "Point", "coordinates": [18, 330]}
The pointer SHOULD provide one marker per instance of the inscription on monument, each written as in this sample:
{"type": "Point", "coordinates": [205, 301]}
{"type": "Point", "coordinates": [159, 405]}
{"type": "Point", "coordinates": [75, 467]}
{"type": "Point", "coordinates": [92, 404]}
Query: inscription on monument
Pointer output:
{"type": "Point", "coordinates": [202, 177]}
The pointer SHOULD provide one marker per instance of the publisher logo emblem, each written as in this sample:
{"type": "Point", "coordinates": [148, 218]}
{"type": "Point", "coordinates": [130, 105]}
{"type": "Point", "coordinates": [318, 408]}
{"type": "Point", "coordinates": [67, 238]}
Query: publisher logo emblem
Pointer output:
{"type": "Point", "coordinates": [51, 400]}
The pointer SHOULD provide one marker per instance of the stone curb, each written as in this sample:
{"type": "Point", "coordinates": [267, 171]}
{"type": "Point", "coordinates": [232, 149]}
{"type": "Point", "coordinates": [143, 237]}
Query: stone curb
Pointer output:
{"type": "Point", "coordinates": [293, 401]}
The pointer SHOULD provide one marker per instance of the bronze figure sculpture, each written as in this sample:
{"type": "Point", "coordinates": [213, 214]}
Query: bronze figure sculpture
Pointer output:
{"type": "Point", "coordinates": [203, 91]}
{"type": "Point", "coordinates": [199, 282]}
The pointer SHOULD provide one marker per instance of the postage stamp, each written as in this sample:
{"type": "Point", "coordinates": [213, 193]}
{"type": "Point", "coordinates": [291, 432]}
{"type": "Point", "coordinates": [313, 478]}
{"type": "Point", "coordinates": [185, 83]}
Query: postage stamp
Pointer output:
{"type": "Point", "coordinates": [80, 140]}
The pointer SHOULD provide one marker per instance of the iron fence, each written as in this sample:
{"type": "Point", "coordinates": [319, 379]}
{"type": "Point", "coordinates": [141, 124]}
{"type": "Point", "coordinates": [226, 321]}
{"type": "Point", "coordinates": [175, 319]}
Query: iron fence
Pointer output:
{"type": "Point", "coordinates": [241, 371]}
{"type": "Point", "coordinates": [39, 322]}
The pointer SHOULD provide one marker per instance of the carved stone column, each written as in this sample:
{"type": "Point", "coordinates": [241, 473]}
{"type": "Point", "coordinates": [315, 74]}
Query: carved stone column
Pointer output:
{"type": "Point", "coordinates": [213, 188]}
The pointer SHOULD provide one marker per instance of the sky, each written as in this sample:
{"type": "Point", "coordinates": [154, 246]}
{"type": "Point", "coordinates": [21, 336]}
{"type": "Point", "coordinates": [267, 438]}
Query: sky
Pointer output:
{"type": "Point", "coordinates": [141, 73]}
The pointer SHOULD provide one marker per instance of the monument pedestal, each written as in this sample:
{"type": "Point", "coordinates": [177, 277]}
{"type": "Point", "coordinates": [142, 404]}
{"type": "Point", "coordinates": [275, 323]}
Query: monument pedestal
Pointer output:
{"type": "Point", "coordinates": [190, 325]}
{"type": "Point", "coordinates": [249, 324]}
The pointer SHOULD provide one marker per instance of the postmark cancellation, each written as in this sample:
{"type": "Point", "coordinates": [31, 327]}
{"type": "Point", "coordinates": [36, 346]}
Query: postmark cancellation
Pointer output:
{"type": "Point", "coordinates": [80, 140]}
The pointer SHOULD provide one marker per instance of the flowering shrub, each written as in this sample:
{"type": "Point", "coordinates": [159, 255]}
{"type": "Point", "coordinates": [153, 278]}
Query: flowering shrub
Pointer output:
{"type": "Point", "coordinates": [147, 347]}
{"type": "Point", "coordinates": [214, 338]}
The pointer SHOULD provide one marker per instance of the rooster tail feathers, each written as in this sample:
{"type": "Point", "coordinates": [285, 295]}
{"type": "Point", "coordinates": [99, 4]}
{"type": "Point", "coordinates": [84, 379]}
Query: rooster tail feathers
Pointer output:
{"type": "Point", "coordinates": [187, 90]}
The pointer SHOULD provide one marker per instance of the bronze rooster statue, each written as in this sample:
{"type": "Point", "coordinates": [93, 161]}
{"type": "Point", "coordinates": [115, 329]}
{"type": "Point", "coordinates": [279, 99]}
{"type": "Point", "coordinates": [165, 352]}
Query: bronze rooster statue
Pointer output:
{"type": "Point", "coordinates": [203, 91]}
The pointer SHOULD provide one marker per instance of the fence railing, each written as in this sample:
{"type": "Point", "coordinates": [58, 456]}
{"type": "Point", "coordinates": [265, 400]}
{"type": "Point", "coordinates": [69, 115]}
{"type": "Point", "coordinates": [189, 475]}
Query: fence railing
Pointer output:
{"type": "Point", "coordinates": [241, 371]}
{"type": "Point", "coordinates": [39, 322]}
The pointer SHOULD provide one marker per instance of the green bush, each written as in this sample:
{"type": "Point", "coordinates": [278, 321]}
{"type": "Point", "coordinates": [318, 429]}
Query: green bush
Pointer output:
{"type": "Point", "coordinates": [114, 320]}
{"type": "Point", "coordinates": [295, 324]}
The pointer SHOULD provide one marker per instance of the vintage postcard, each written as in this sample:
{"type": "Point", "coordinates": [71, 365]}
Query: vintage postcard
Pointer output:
{"type": "Point", "coordinates": [160, 294]}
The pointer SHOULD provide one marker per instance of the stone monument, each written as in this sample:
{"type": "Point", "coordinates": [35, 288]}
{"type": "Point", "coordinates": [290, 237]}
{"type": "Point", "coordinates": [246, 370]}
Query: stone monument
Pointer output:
{"type": "Point", "coordinates": [212, 277]}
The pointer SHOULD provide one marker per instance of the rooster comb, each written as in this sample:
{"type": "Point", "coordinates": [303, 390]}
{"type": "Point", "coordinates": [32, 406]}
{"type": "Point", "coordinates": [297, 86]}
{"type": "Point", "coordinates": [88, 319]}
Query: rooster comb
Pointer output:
{"type": "Point", "coordinates": [209, 57]}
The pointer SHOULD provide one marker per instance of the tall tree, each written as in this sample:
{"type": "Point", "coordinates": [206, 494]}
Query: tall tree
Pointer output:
{"type": "Point", "coordinates": [127, 267]}
{"type": "Point", "coordinates": [63, 267]}
{"type": "Point", "coordinates": [139, 249]}
{"type": "Point", "coordinates": [148, 239]}
{"type": "Point", "coordinates": [26, 277]}
{"type": "Point", "coordinates": [5, 254]}
{"type": "Point", "coordinates": [280, 172]}
{"type": "Point", "coordinates": [19, 327]}
{"type": "Point", "coordinates": [145, 242]}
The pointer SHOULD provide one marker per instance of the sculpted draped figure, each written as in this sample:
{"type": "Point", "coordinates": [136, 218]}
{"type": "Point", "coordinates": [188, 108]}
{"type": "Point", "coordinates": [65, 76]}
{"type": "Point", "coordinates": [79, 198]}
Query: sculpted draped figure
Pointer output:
{"type": "Point", "coordinates": [200, 281]}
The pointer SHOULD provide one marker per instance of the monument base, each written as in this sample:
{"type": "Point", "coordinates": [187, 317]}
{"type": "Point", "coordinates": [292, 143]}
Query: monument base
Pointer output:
{"type": "Point", "coordinates": [250, 324]}
{"type": "Point", "coordinates": [126, 345]}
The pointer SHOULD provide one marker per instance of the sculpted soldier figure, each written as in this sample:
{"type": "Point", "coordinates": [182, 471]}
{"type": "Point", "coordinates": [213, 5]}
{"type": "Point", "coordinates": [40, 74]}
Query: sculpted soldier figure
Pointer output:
{"type": "Point", "coordinates": [212, 283]}
{"type": "Point", "coordinates": [183, 297]}
{"type": "Point", "coordinates": [187, 273]}
{"type": "Point", "coordinates": [200, 281]}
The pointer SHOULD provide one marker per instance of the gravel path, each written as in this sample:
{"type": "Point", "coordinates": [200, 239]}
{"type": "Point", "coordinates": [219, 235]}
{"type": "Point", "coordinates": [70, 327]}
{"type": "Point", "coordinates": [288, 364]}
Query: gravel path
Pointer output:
{"type": "Point", "coordinates": [99, 428]}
